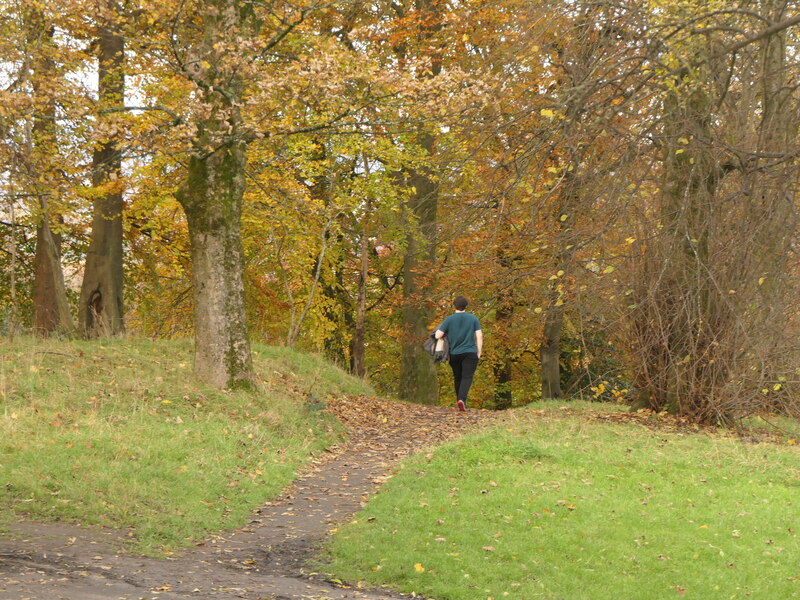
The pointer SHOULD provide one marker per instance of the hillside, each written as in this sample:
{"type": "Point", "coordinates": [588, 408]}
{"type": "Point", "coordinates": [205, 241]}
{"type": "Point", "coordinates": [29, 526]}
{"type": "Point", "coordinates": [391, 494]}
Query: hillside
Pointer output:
{"type": "Point", "coordinates": [117, 433]}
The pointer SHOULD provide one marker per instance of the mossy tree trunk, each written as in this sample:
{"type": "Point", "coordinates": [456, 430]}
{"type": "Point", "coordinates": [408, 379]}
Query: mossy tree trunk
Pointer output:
{"type": "Point", "coordinates": [212, 200]}
{"type": "Point", "coordinates": [212, 196]}
{"type": "Point", "coordinates": [418, 378]}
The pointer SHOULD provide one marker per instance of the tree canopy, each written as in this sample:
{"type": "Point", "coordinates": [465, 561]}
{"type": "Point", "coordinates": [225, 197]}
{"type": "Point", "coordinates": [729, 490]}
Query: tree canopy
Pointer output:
{"type": "Point", "coordinates": [611, 183]}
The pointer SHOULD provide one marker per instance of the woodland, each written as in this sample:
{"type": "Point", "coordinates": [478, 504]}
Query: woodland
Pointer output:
{"type": "Point", "coordinates": [612, 184]}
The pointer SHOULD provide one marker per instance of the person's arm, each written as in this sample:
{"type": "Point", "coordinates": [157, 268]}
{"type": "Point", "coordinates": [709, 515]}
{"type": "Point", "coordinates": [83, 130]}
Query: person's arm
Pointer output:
{"type": "Point", "coordinates": [441, 331]}
{"type": "Point", "coordinates": [479, 341]}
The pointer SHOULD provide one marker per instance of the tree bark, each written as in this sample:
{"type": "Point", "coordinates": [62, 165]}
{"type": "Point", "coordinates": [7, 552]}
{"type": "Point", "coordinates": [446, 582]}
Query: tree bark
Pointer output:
{"type": "Point", "coordinates": [550, 351]}
{"type": "Point", "coordinates": [212, 201]}
{"type": "Point", "coordinates": [212, 197]}
{"type": "Point", "coordinates": [503, 386]}
{"type": "Point", "coordinates": [358, 347]}
{"type": "Point", "coordinates": [101, 309]}
{"type": "Point", "coordinates": [503, 383]}
{"type": "Point", "coordinates": [418, 378]}
{"type": "Point", "coordinates": [51, 312]}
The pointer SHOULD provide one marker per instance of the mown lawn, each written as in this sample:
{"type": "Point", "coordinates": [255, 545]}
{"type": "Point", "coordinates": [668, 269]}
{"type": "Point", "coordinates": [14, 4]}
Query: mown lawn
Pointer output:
{"type": "Point", "coordinates": [560, 505]}
{"type": "Point", "coordinates": [119, 434]}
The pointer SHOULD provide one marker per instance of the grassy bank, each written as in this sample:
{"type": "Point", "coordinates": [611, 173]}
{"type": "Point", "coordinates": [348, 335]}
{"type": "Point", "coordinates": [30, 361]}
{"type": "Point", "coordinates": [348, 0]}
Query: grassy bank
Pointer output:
{"type": "Point", "coordinates": [119, 434]}
{"type": "Point", "coordinates": [567, 506]}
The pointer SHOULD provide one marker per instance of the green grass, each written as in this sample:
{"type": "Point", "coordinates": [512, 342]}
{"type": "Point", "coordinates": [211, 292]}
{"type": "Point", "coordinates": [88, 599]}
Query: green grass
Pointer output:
{"type": "Point", "coordinates": [560, 506]}
{"type": "Point", "coordinates": [119, 434]}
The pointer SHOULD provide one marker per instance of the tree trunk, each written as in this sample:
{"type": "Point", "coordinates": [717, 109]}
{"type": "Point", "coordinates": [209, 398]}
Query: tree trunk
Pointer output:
{"type": "Point", "coordinates": [550, 351]}
{"type": "Point", "coordinates": [418, 378]}
{"type": "Point", "coordinates": [100, 309]}
{"type": "Point", "coordinates": [358, 347]}
{"type": "Point", "coordinates": [503, 390]}
{"type": "Point", "coordinates": [506, 258]}
{"type": "Point", "coordinates": [212, 197]}
{"type": "Point", "coordinates": [212, 201]}
{"type": "Point", "coordinates": [51, 312]}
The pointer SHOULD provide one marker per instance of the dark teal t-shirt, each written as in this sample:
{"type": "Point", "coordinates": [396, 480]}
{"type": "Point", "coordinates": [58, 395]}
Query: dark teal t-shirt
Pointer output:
{"type": "Point", "coordinates": [460, 329]}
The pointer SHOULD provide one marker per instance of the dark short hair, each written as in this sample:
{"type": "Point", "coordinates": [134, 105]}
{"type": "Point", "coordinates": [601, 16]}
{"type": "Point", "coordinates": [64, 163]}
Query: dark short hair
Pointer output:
{"type": "Point", "coordinates": [460, 303]}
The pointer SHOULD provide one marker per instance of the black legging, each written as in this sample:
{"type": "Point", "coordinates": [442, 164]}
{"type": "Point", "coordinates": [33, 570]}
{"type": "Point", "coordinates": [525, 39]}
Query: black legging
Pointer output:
{"type": "Point", "coordinates": [463, 366]}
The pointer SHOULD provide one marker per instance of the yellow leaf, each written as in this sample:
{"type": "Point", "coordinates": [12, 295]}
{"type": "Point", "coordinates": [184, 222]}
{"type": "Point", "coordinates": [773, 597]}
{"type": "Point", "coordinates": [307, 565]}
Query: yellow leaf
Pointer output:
{"type": "Point", "coordinates": [419, 568]}
{"type": "Point", "coordinates": [679, 151]}
{"type": "Point", "coordinates": [608, 269]}
{"type": "Point", "coordinates": [546, 112]}
{"type": "Point", "coordinates": [760, 281]}
{"type": "Point", "coordinates": [630, 240]}
{"type": "Point", "coordinates": [792, 442]}
{"type": "Point", "coordinates": [537, 310]}
{"type": "Point", "coordinates": [777, 387]}
{"type": "Point", "coordinates": [703, 527]}
{"type": "Point", "coordinates": [563, 218]}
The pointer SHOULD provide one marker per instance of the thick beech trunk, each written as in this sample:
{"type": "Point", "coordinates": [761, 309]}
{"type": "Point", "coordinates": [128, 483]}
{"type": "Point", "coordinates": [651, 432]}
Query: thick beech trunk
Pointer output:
{"type": "Point", "coordinates": [212, 200]}
{"type": "Point", "coordinates": [211, 197]}
{"type": "Point", "coordinates": [100, 309]}
{"type": "Point", "coordinates": [418, 378]}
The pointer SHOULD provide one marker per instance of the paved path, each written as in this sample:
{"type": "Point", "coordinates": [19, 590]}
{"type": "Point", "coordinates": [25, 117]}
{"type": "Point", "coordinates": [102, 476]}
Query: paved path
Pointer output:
{"type": "Point", "coordinates": [267, 559]}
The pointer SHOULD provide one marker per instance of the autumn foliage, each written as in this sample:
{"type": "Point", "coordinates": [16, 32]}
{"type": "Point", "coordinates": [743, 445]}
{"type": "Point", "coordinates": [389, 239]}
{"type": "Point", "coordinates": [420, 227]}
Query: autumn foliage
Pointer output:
{"type": "Point", "coordinates": [612, 184]}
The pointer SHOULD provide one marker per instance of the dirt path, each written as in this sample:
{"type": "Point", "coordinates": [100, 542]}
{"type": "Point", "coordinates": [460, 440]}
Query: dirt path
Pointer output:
{"type": "Point", "coordinates": [266, 560]}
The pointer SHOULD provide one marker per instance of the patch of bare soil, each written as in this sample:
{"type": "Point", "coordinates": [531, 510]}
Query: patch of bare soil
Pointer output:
{"type": "Point", "coordinates": [265, 560]}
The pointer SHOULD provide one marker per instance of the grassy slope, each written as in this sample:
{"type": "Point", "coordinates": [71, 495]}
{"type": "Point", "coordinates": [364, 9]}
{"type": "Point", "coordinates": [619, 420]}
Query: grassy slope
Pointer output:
{"type": "Point", "coordinates": [119, 434]}
{"type": "Point", "coordinates": [562, 506]}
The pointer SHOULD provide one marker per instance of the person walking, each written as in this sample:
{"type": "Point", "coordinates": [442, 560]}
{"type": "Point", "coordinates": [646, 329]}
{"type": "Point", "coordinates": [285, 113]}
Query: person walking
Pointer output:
{"type": "Point", "coordinates": [463, 331]}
